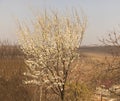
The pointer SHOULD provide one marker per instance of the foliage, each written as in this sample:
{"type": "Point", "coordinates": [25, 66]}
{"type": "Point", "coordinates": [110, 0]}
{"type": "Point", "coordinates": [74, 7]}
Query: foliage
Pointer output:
{"type": "Point", "coordinates": [78, 92]}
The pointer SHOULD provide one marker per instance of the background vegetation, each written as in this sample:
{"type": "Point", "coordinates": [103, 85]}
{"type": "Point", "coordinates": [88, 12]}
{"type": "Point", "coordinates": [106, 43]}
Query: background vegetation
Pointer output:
{"type": "Point", "coordinates": [70, 72]}
{"type": "Point", "coordinates": [91, 73]}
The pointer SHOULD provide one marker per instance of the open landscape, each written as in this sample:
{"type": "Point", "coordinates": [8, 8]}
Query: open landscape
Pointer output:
{"type": "Point", "coordinates": [12, 68]}
{"type": "Point", "coordinates": [59, 50]}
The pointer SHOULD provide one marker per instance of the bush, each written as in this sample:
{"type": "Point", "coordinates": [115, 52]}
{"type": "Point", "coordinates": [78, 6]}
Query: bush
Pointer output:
{"type": "Point", "coordinates": [78, 92]}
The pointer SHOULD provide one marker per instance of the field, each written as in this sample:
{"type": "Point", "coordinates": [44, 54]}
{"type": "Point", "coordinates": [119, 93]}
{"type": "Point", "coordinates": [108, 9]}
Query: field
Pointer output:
{"type": "Point", "coordinates": [12, 67]}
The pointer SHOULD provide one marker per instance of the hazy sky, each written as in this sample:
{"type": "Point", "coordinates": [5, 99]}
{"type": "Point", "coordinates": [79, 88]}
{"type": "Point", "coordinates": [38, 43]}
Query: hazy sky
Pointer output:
{"type": "Point", "coordinates": [103, 15]}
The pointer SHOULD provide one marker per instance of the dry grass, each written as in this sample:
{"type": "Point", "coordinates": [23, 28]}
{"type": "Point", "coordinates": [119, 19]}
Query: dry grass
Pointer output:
{"type": "Point", "coordinates": [13, 66]}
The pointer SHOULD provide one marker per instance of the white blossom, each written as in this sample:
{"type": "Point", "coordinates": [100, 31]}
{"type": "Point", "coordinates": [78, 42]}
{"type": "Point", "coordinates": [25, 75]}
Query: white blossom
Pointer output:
{"type": "Point", "coordinates": [51, 48]}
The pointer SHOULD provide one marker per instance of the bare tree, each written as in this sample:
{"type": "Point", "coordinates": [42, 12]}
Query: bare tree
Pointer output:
{"type": "Point", "coordinates": [51, 48]}
{"type": "Point", "coordinates": [113, 44]}
{"type": "Point", "coordinates": [111, 64]}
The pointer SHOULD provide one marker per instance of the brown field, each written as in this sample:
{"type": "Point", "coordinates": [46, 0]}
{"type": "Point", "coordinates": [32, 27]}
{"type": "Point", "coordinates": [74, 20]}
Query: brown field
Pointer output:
{"type": "Point", "coordinates": [12, 67]}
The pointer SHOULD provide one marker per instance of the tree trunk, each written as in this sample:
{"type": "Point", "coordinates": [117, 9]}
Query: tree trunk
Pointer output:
{"type": "Point", "coordinates": [63, 93]}
{"type": "Point", "coordinates": [101, 97]}
{"type": "Point", "coordinates": [35, 94]}
{"type": "Point", "coordinates": [62, 96]}
{"type": "Point", "coordinates": [40, 93]}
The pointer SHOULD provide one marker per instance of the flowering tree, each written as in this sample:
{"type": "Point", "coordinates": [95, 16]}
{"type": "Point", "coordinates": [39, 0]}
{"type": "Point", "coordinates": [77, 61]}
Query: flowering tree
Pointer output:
{"type": "Point", "coordinates": [51, 49]}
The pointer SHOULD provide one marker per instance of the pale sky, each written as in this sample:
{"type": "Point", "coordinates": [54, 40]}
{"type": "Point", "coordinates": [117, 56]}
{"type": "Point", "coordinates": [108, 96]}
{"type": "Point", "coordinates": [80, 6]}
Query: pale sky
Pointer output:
{"type": "Point", "coordinates": [103, 15]}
